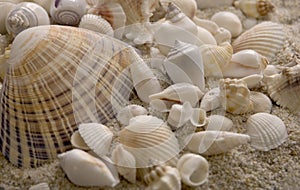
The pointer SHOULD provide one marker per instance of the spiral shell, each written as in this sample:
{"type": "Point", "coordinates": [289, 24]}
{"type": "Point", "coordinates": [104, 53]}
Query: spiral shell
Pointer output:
{"type": "Point", "coordinates": [5, 7]}
{"type": "Point", "coordinates": [25, 15]}
{"type": "Point", "coordinates": [67, 12]}
{"type": "Point", "coordinates": [48, 91]}
{"type": "Point", "coordinates": [255, 8]}
{"type": "Point", "coordinates": [188, 7]}
{"type": "Point", "coordinates": [96, 23]}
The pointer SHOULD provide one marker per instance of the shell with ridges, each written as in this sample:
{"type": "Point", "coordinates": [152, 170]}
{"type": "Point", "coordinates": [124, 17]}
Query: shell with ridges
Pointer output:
{"type": "Point", "coordinates": [78, 142]}
{"type": "Point", "coordinates": [266, 38]}
{"type": "Point", "coordinates": [255, 8]}
{"type": "Point", "coordinates": [130, 111]}
{"type": "Point", "coordinates": [193, 169]}
{"type": "Point", "coordinates": [266, 131]}
{"type": "Point", "coordinates": [96, 23]}
{"type": "Point", "coordinates": [188, 7]}
{"type": "Point", "coordinates": [48, 89]}
{"type": "Point", "coordinates": [260, 102]}
{"type": "Point", "coordinates": [5, 8]}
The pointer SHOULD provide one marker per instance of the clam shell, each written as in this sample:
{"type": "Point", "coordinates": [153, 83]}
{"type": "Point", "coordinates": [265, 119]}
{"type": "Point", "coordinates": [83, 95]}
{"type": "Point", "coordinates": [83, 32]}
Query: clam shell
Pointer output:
{"type": "Point", "coordinates": [260, 102]}
{"type": "Point", "coordinates": [215, 142]}
{"type": "Point", "coordinates": [193, 169]}
{"type": "Point", "coordinates": [266, 131]}
{"type": "Point", "coordinates": [130, 111]}
{"type": "Point", "coordinates": [5, 8]}
{"type": "Point", "coordinates": [211, 100]}
{"type": "Point", "coordinates": [218, 123]}
{"type": "Point", "coordinates": [78, 142]}
{"type": "Point", "coordinates": [188, 7]}
{"type": "Point", "coordinates": [96, 23]}
{"type": "Point", "coordinates": [50, 91]}
{"type": "Point", "coordinates": [85, 170]}
{"type": "Point", "coordinates": [266, 38]}
{"type": "Point", "coordinates": [149, 140]}
{"type": "Point", "coordinates": [255, 8]}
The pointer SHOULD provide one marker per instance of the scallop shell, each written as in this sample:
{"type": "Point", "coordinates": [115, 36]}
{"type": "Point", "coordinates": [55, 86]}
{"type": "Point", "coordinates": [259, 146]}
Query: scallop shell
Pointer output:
{"type": "Point", "coordinates": [255, 8]}
{"type": "Point", "coordinates": [40, 186]}
{"type": "Point", "coordinates": [130, 111]}
{"type": "Point", "coordinates": [266, 131]}
{"type": "Point", "coordinates": [215, 57]}
{"type": "Point", "coordinates": [67, 12]}
{"type": "Point", "coordinates": [47, 86]}
{"type": "Point", "coordinates": [96, 23]}
{"type": "Point", "coordinates": [284, 88]}
{"type": "Point", "coordinates": [266, 38]}
{"type": "Point", "coordinates": [5, 8]}
{"type": "Point", "coordinates": [188, 7]}
{"type": "Point", "coordinates": [235, 96]}
{"type": "Point", "coordinates": [211, 100]}
{"type": "Point", "coordinates": [78, 142]}
{"type": "Point", "coordinates": [149, 140]}
{"type": "Point", "coordinates": [184, 64]}
{"type": "Point", "coordinates": [25, 15]}
{"type": "Point", "coordinates": [215, 142]}
{"type": "Point", "coordinates": [193, 169]}
{"type": "Point", "coordinates": [260, 102]}
{"type": "Point", "coordinates": [228, 21]}
{"type": "Point", "coordinates": [85, 170]}
{"type": "Point", "coordinates": [218, 123]}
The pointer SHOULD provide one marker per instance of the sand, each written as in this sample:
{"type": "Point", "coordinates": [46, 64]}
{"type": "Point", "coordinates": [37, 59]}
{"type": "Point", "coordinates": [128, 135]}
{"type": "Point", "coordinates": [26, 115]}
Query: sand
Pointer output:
{"type": "Point", "coordinates": [241, 168]}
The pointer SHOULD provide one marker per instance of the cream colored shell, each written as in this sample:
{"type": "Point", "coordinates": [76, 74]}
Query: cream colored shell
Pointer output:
{"type": "Point", "coordinates": [96, 23]}
{"type": "Point", "coordinates": [188, 7]}
{"type": "Point", "coordinates": [5, 8]}
{"type": "Point", "coordinates": [255, 8]}
{"type": "Point", "coordinates": [130, 111]}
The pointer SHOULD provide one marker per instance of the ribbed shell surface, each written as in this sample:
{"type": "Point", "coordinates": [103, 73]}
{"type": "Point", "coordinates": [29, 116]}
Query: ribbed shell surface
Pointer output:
{"type": "Point", "coordinates": [59, 77]}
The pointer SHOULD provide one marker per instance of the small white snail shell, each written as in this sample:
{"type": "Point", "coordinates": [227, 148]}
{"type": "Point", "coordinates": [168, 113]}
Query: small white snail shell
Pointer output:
{"type": "Point", "coordinates": [67, 12]}
{"type": "Point", "coordinates": [5, 7]}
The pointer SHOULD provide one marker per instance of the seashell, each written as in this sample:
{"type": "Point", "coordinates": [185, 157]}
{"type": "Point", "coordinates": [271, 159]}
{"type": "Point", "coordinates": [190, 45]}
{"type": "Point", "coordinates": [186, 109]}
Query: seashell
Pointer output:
{"type": "Point", "coordinates": [284, 88]}
{"type": "Point", "coordinates": [163, 177]}
{"type": "Point", "coordinates": [235, 96]}
{"type": "Point", "coordinates": [96, 23]}
{"type": "Point", "coordinates": [252, 81]}
{"type": "Point", "coordinates": [130, 111]}
{"type": "Point", "coordinates": [272, 70]}
{"type": "Point", "coordinates": [203, 4]}
{"type": "Point", "coordinates": [113, 13]}
{"type": "Point", "coordinates": [222, 35]}
{"type": "Point", "coordinates": [5, 8]}
{"type": "Point", "coordinates": [249, 23]}
{"type": "Point", "coordinates": [266, 131]}
{"type": "Point", "coordinates": [85, 170]}
{"type": "Point", "coordinates": [205, 36]}
{"type": "Point", "coordinates": [266, 38]}
{"type": "Point", "coordinates": [245, 63]}
{"type": "Point", "coordinates": [184, 64]}
{"type": "Point", "coordinates": [180, 93]}
{"type": "Point", "coordinates": [44, 3]}
{"type": "Point", "coordinates": [215, 58]}
{"type": "Point", "coordinates": [56, 88]}
{"type": "Point", "coordinates": [149, 140]}
{"type": "Point", "coordinates": [209, 25]}
{"type": "Point", "coordinates": [188, 7]}
{"type": "Point", "coordinates": [98, 137]}
{"type": "Point", "coordinates": [25, 15]}
{"type": "Point", "coordinates": [260, 102]}
{"type": "Point", "coordinates": [180, 114]}
{"type": "Point", "coordinates": [198, 118]}
{"type": "Point", "coordinates": [67, 12]}
{"type": "Point", "coordinates": [228, 21]}
{"type": "Point", "coordinates": [211, 100]}
{"type": "Point", "coordinates": [218, 123]}
{"type": "Point", "coordinates": [140, 33]}
{"type": "Point", "coordinates": [193, 169]}
{"type": "Point", "coordinates": [125, 163]}
{"type": "Point", "coordinates": [40, 186]}
{"type": "Point", "coordinates": [215, 142]}
{"type": "Point", "coordinates": [255, 8]}
{"type": "Point", "coordinates": [78, 142]}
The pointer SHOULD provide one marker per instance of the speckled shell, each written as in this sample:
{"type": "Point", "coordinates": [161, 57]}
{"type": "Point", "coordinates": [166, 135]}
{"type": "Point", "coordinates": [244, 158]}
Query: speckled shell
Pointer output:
{"type": "Point", "coordinates": [96, 23]}
{"type": "Point", "coordinates": [255, 8]}
{"type": "Point", "coordinates": [48, 90]}
{"type": "Point", "coordinates": [266, 38]}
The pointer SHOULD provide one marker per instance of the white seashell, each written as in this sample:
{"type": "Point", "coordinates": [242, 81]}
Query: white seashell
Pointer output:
{"type": "Point", "coordinates": [184, 64]}
{"type": "Point", "coordinates": [260, 102]}
{"type": "Point", "coordinates": [266, 38]}
{"type": "Point", "coordinates": [255, 8]}
{"type": "Point", "coordinates": [215, 57]}
{"type": "Point", "coordinates": [228, 21]}
{"type": "Point", "coordinates": [161, 105]}
{"type": "Point", "coordinates": [78, 142]}
{"type": "Point", "coordinates": [5, 8]}
{"type": "Point", "coordinates": [149, 140]}
{"type": "Point", "coordinates": [266, 131]}
{"type": "Point", "coordinates": [199, 118]}
{"type": "Point", "coordinates": [139, 33]}
{"type": "Point", "coordinates": [209, 25]}
{"type": "Point", "coordinates": [163, 178]}
{"type": "Point", "coordinates": [67, 12]}
{"type": "Point", "coordinates": [272, 70]}
{"type": "Point", "coordinates": [205, 36]}
{"type": "Point", "coordinates": [180, 93]}
{"type": "Point", "coordinates": [180, 114]}
{"type": "Point", "coordinates": [144, 81]}
{"type": "Point", "coordinates": [222, 35]}
{"type": "Point", "coordinates": [85, 170]}
{"type": "Point", "coordinates": [235, 96]}
{"type": "Point", "coordinates": [215, 142]}
{"type": "Point", "coordinates": [252, 81]}
{"type": "Point", "coordinates": [96, 23]}
{"type": "Point", "coordinates": [98, 137]}
{"type": "Point", "coordinates": [25, 15]}
{"type": "Point", "coordinates": [188, 7]}
{"type": "Point", "coordinates": [40, 186]}
{"type": "Point", "coordinates": [130, 111]}
{"type": "Point", "coordinates": [211, 100]}
{"type": "Point", "coordinates": [204, 4]}
{"type": "Point", "coordinates": [125, 163]}
{"type": "Point", "coordinates": [218, 123]}
{"type": "Point", "coordinates": [245, 63]}
{"type": "Point", "coordinates": [44, 3]}
{"type": "Point", "coordinates": [193, 169]}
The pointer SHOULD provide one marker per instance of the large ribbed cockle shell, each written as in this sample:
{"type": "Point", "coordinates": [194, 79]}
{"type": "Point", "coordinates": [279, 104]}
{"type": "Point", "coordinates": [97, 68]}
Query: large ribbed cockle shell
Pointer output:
{"type": "Point", "coordinates": [59, 77]}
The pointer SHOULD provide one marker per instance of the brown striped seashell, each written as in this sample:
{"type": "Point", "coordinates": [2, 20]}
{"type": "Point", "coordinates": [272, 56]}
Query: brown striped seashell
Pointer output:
{"type": "Point", "coordinates": [266, 38]}
{"type": "Point", "coordinates": [47, 90]}
{"type": "Point", "coordinates": [255, 8]}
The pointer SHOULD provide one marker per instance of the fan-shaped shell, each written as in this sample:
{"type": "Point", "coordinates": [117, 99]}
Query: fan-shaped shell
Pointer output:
{"type": "Point", "coordinates": [260, 102]}
{"type": "Point", "coordinates": [48, 90]}
{"type": "Point", "coordinates": [266, 131]}
{"type": "Point", "coordinates": [255, 8]}
{"type": "Point", "coordinates": [266, 38]}
{"type": "Point", "coordinates": [96, 23]}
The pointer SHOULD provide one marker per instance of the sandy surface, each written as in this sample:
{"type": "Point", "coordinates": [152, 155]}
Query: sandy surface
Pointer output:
{"type": "Point", "coordinates": [241, 168]}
